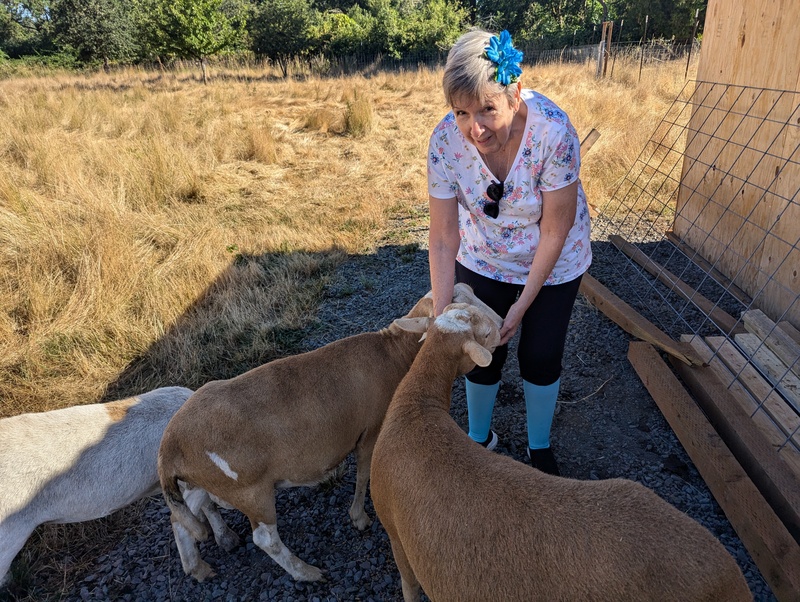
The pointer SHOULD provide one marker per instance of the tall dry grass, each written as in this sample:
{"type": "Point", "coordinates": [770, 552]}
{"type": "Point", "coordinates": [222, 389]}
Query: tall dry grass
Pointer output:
{"type": "Point", "coordinates": [156, 231]}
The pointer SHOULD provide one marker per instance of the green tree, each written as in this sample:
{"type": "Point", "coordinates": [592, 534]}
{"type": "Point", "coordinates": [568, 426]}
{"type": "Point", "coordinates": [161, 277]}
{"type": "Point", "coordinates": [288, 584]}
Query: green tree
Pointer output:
{"type": "Point", "coordinates": [26, 27]}
{"type": "Point", "coordinates": [434, 25]}
{"type": "Point", "coordinates": [340, 34]}
{"type": "Point", "coordinates": [497, 15]}
{"type": "Point", "coordinates": [667, 18]}
{"type": "Point", "coordinates": [283, 30]}
{"type": "Point", "coordinates": [95, 29]}
{"type": "Point", "coordinates": [393, 27]}
{"type": "Point", "coordinates": [196, 29]}
{"type": "Point", "coordinates": [563, 22]}
{"type": "Point", "coordinates": [386, 34]}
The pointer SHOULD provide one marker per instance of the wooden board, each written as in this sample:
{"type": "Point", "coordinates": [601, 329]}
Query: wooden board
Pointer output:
{"type": "Point", "coordinates": [586, 145]}
{"type": "Point", "coordinates": [727, 323]}
{"type": "Point", "coordinates": [754, 395]}
{"type": "Point", "coordinates": [790, 330]}
{"type": "Point", "coordinates": [751, 43]}
{"type": "Point", "coordinates": [737, 200]}
{"type": "Point", "coordinates": [632, 322]}
{"type": "Point", "coordinates": [772, 367]}
{"type": "Point", "coordinates": [777, 482]}
{"type": "Point", "coordinates": [774, 550]}
{"type": "Point", "coordinates": [588, 142]}
{"type": "Point", "coordinates": [780, 343]}
{"type": "Point", "coordinates": [762, 392]}
{"type": "Point", "coordinates": [709, 269]}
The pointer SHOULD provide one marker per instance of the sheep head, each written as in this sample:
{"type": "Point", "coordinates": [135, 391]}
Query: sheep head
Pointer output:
{"type": "Point", "coordinates": [479, 331]}
{"type": "Point", "coordinates": [462, 293]}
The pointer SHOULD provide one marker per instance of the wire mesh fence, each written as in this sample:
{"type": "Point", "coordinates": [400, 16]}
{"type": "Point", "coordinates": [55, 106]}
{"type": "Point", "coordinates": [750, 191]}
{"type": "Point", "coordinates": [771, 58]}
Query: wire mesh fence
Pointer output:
{"type": "Point", "coordinates": [701, 237]}
{"type": "Point", "coordinates": [649, 53]}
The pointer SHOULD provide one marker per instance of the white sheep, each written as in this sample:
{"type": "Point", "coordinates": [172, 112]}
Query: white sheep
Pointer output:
{"type": "Point", "coordinates": [81, 463]}
{"type": "Point", "coordinates": [287, 423]}
{"type": "Point", "coordinates": [469, 524]}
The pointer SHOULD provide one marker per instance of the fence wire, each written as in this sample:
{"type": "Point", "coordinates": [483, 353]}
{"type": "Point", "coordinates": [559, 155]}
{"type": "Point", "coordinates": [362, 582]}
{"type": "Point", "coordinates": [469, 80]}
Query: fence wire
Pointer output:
{"type": "Point", "coordinates": [650, 53]}
{"type": "Point", "coordinates": [711, 213]}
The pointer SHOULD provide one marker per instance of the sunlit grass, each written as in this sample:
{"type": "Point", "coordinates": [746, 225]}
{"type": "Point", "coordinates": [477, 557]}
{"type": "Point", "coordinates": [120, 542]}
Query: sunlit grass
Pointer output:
{"type": "Point", "coordinates": [157, 231]}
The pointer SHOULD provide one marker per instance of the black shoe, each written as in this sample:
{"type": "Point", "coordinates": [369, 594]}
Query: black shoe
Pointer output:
{"type": "Point", "coordinates": [543, 459]}
{"type": "Point", "coordinates": [491, 441]}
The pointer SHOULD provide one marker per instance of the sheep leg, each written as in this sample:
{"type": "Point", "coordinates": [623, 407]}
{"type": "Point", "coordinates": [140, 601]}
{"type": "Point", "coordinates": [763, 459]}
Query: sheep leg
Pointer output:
{"type": "Point", "coordinates": [411, 587]}
{"type": "Point", "coordinates": [13, 534]}
{"type": "Point", "coordinates": [190, 556]}
{"type": "Point", "coordinates": [265, 536]}
{"type": "Point", "coordinates": [225, 537]}
{"type": "Point", "coordinates": [363, 460]}
{"type": "Point", "coordinates": [201, 503]}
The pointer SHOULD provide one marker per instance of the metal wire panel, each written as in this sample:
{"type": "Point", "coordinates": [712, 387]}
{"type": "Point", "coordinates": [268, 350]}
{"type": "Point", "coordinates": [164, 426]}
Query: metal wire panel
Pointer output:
{"type": "Point", "coordinates": [711, 207]}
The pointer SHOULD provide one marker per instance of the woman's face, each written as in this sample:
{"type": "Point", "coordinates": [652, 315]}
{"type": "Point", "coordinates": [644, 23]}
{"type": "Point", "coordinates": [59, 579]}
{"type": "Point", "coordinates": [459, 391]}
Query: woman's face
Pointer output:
{"type": "Point", "coordinates": [487, 125]}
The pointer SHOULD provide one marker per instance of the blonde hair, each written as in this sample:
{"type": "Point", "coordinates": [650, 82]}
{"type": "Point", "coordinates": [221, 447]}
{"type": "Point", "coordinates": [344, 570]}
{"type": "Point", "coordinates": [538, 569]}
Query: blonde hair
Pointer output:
{"type": "Point", "coordinates": [468, 73]}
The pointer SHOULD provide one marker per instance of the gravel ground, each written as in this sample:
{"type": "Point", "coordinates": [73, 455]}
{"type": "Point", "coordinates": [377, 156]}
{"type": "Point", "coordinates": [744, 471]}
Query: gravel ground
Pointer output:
{"type": "Point", "coordinates": [607, 425]}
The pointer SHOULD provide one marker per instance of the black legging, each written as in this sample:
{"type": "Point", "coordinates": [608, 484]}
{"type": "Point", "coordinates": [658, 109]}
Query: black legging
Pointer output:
{"type": "Point", "coordinates": [543, 331]}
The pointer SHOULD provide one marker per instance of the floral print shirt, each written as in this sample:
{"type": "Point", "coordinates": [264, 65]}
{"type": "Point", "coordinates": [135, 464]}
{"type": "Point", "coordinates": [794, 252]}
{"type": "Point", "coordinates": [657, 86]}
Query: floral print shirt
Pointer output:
{"type": "Point", "coordinates": [548, 159]}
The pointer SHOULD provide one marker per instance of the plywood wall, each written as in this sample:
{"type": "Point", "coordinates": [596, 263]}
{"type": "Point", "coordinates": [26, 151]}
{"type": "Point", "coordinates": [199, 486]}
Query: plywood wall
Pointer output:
{"type": "Point", "coordinates": [738, 203]}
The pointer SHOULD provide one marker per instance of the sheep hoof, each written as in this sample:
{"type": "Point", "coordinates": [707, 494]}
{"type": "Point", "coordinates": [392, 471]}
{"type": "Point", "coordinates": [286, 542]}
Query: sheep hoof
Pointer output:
{"type": "Point", "coordinates": [229, 541]}
{"type": "Point", "coordinates": [361, 522]}
{"type": "Point", "coordinates": [308, 573]}
{"type": "Point", "coordinates": [203, 571]}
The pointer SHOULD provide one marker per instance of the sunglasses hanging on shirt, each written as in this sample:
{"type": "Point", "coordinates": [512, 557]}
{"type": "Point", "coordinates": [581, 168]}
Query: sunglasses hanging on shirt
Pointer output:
{"type": "Point", "coordinates": [495, 193]}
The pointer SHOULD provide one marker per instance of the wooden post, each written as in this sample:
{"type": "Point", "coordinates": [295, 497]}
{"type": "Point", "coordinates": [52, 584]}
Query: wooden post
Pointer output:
{"type": "Point", "coordinates": [603, 50]}
{"type": "Point", "coordinates": [644, 39]}
{"type": "Point", "coordinates": [691, 42]}
{"type": "Point", "coordinates": [619, 41]}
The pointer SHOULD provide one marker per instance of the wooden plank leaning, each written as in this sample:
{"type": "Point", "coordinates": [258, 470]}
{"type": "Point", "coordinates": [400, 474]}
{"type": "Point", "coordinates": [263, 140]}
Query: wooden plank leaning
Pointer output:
{"type": "Point", "coordinates": [786, 383]}
{"type": "Point", "coordinates": [771, 474]}
{"type": "Point", "coordinates": [787, 328]}
{"type": "Point", "coordinates": [709, 268]}
{"type": "Point", "coordinates": [780, 343]}
{"type": "Point", "coordinates": [588, 141]}
{"type": "Point", "coordinates": [727, 323]}
{"type": "Point", "coordinates": [746, 389]}
{"type": "Point", "coordinates": [761, 391]}
{"type": "Point", "coordinates": [586, 144]}
{"type": "Point", "coordinates": [634, 323]}
{"type": "Point", "coordinates": [774, 550]}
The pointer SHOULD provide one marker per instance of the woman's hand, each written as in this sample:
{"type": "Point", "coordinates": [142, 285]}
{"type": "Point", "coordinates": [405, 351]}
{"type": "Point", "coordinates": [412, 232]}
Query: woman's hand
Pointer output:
{"type": "Point", "coordinates": [511, 322]}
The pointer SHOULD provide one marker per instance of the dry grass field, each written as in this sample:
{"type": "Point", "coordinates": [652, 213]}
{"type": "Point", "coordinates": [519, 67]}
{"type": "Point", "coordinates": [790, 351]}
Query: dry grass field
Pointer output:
{"type": "Point", "coordinates": [157, 231]}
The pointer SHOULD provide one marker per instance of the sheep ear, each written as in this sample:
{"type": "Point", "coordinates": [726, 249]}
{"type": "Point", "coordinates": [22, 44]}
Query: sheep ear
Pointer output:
{"type": "Point", "coordinates": [413, 324]}
{"type": "Point", "coordinates": [479, 355]}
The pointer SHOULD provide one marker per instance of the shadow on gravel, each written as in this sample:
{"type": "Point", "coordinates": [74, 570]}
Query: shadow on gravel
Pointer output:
{"type": "Point", "coordinates": [237, 324]}
{"type": "Point", "coordinates": [606, 426]}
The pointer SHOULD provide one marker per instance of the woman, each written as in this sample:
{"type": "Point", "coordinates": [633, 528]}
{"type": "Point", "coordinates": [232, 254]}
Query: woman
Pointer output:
{"type": "Point", "coordinates": [508, 216]}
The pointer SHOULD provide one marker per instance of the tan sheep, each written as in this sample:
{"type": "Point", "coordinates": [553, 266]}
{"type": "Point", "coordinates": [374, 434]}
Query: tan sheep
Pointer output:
{"type": "Point", "coordinates": [287, 423]}
{"type": "Point", "coordinates": [469, 524]}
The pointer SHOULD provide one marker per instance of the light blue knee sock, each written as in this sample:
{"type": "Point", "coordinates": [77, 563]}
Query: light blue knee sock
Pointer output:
{"type": "Point", "coordinates": [540, 404]}
{"type": "Point", "coordinates": [480, 403]}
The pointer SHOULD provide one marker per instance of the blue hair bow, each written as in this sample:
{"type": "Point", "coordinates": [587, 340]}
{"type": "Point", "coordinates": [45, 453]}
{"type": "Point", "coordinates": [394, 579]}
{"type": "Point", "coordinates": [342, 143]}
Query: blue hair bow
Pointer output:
{"type": "Point", "coordinates": [502, 53]}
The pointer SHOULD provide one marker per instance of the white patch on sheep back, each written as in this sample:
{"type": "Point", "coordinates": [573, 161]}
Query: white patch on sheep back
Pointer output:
{"type": "Point", "coordinates": [455, 320]}
{"type": "Point", "coordinates": [223, 465]}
